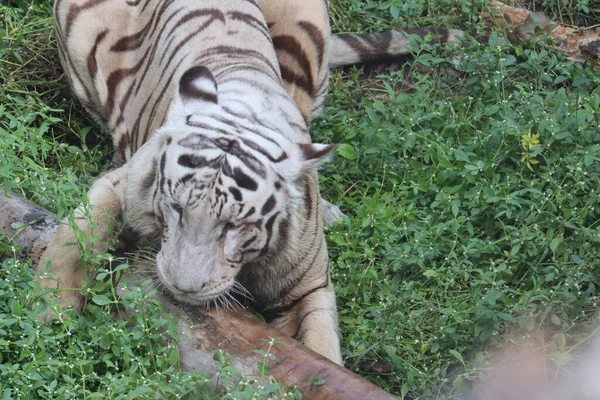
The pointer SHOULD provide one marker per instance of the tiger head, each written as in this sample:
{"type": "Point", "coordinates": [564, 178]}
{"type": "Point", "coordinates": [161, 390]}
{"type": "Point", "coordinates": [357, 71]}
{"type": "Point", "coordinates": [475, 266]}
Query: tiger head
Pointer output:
{"type": "Point", "coordinates": [222, 191]}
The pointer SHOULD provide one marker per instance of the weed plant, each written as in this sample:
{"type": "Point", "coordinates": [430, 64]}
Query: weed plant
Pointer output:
{"type": "Point", "coordinates": [471, 204]}
{"type": "Point", "coordinates": [469, 180]}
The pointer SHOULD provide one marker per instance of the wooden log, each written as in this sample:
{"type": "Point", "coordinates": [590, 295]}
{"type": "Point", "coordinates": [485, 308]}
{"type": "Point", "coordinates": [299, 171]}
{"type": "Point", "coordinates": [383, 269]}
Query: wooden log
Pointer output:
{"type": "Point", "coordinates": [236, 332]}
{"type": "Point", "coordinates": [578, 44]}
{"type": "Point", "coordinates": [27, 225]}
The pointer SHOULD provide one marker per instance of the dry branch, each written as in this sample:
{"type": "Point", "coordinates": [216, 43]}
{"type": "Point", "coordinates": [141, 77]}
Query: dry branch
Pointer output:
{"type": "Point", "coordinates": [578, 44]}
{"type": "Point", "coordinates": [236, 332]}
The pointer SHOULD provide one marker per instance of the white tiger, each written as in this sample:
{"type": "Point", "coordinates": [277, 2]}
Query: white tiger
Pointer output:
{"type": "Point", "coordinates": [209, 105]}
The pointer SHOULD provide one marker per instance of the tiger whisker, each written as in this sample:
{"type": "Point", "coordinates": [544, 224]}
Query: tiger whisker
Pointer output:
{"type": "Point", "coordinates": [224, 302]}
{"type": "Point", "coordinates": [235, 303]}
{"type": "Point", "coordinates": [239, 289]}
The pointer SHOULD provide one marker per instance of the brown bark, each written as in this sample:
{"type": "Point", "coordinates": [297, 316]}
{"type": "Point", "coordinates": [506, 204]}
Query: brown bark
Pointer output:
{"type": "Point", "coordinates": [578, 44]}
{"type": "Point", "coordinates": [236, 332]}
{"type": "Point", "coordinates": [40, 224]}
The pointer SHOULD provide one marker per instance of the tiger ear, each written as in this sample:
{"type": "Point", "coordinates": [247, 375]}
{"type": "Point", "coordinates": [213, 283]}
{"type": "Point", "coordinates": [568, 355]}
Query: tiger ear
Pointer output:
{"type": "Point", "coordinates": [309, 157]}
{"type": "Point", "coordinates": [196, 91]}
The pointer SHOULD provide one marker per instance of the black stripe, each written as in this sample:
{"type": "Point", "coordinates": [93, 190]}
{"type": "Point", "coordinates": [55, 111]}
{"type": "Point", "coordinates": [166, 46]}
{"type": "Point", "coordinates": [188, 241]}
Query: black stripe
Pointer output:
{"type": "Point", "coordinates": [249, 241]}
{"type": "Point", "coordinates": [145, 5]}
{"type": "Point", "coordinates": [149, 180]}
{"type": "Point", "coordinates": [153, 111]}
{"type": "Point", "coordinates": [290, 45]}
{"type": "Point", "coordinates": [249, 129]}
{"type": "Point", "coordinates": [204, 125]}
{"type": "Point", "coordinates": [155, 46]}
{"type": "Point", "coordinates": [379, 41]}
{"type": "Point", "coordinates": [124, 102]}
{"type": "Point", "coordinates": [236, 53]}
{"type": "Point", "coordinates": [316, 36]}
{"type": "Point", "coordinates": [308, 203]}
{"type": "Point", "coordinates": [232, 148]}
{"type": "Point", "coordinates": [299, 334]}
{"type": "Point", "coordinates": [114, 80]}
{"type": "Point", "coordinates": [284, 229]}
{"type": "Point", "coordinates": [163, 161]}
{"type": "Point", "coordinates": [74, 11]}
{"type": "Point", "coordinates": [252, 21]}
{"type": "Point", "coordinates": [248, 112]}
{"type": "Point", "coordinates": [253, 3]}
{"type": "Point", "coordinates": [120, 148]}
{"type": "Point", "coordinates": [215, 15]}
{"type": "Point", "coordinates": [249, 251]}
{"type": "Point", "coordinates": [308, 267]}
{"type": "Point", "coordinates": [66, 59]}
{"type": "Point", "coordinates": [375, 47]}
{"type": "Point", "coordinates": [256, 147]}
{"type": "Point", "coordinates": [364, 47]}
{"type": "Point", "coordinates": [251, 162]}
{"type": "Point", "coordinates": [135, 41]}
{"type": "Point", "coordinates": [92, 64]}
{"type": "Point", "coordinates": [249, 213]}
{"type": "Point", "coordinates": [269, 229]}
{"type": "Point", "coordinates": [197, 141]}
{"type": "Point", "coordinates": [196, 161]}
{"type": "Point", "coordinates": [277, 312]}
{"type": "Point", "coordinates": [268, 206]}
{"type": "Point", "coordinates": [184, 179]}
{"type": "Point", "coordinates": [237, 195]}
{"type": "Point", "coordinates": [241, 179]}
{"type": "Point", "coordinates": [170, 187]}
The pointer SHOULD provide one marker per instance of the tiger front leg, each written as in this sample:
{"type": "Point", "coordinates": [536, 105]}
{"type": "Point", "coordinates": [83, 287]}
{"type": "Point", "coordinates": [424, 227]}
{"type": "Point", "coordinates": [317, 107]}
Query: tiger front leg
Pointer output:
{"type": "Point", "coordinates": [314, 323]}
{"type": "Point", "coordinates": [59, 268]}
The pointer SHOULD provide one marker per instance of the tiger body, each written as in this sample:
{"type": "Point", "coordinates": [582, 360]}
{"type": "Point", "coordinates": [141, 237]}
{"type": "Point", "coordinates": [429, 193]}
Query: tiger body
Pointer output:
{"type": "Point", "coordinates": [209, 105]}
{"type": "Point", "coordinates": [213, 149]}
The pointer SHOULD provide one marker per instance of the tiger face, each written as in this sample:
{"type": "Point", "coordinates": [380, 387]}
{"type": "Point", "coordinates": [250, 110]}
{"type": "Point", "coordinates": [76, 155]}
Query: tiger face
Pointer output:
{"type": "Point", "coordinates": [225, 190]}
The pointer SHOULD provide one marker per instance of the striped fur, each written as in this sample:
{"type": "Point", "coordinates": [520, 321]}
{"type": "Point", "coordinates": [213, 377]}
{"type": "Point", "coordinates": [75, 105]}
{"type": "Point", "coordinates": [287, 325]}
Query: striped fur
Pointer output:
{"type": "Point", "coordinates": [348, 49]}
{"type": "Point", "coordinates": [209, 104]}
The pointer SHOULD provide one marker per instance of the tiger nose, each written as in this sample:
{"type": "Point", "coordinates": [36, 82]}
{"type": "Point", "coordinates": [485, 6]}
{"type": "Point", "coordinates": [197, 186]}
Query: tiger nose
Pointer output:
{"type": "Point", "coordinates": [188, 291]}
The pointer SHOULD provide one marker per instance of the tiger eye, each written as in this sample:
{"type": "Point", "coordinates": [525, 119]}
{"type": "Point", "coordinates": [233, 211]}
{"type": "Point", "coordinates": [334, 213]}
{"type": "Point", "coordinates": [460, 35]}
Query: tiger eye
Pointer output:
{"type": "Point", "coordinates": [176, 207]}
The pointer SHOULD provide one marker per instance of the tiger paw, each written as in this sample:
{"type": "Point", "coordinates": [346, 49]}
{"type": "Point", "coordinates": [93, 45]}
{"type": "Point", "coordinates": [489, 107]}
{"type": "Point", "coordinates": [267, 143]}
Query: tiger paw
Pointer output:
{"type": "Point", "coordinates": [60, 306]}
{"type": "Point", "coordinates": [331, 213]}
{"type": "Point", "coordinates": [60, 295]}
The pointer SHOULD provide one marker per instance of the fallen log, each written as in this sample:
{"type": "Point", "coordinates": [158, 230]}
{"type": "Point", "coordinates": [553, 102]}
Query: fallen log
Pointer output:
{"type": "Point", "coordinates": [236, 332]}
{"type": "Point", "coordinates": [578, 44]}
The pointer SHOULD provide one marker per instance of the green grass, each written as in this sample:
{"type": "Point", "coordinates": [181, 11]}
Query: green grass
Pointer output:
{"type": "Point", "coordinates": [472, 208]}
{"type": "Point", "coordinates": [470, 192]}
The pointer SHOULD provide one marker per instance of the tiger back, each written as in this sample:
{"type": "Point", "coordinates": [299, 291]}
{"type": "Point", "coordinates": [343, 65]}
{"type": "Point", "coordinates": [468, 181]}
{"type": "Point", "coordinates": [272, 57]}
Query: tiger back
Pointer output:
{"type": "Point", "coordinates": [211, 137]}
